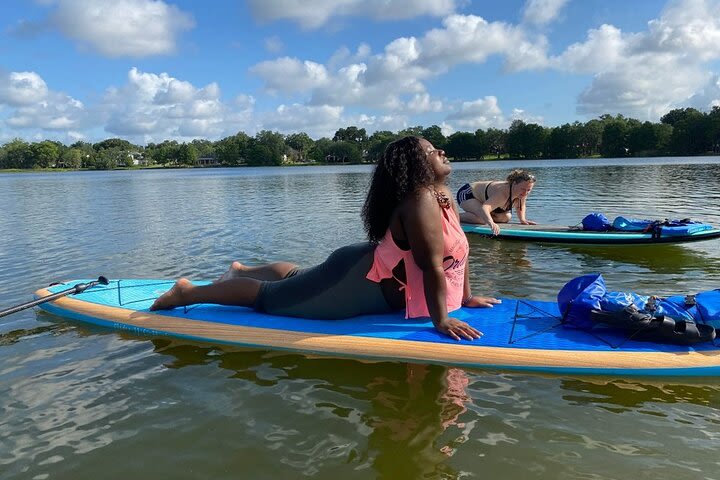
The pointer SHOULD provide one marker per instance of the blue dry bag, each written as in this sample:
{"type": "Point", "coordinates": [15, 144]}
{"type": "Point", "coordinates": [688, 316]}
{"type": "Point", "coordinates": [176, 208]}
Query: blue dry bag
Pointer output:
{"type": "Point", "coordinates": [624, 224]}
{"type": "Point", "coordinates": [578, 297]}
{"type": "Point", "coordinates": [596, 222]}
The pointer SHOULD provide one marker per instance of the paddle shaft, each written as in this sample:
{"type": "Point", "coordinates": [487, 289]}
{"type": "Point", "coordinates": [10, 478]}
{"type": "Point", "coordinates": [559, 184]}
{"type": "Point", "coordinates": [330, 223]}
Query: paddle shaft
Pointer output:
{"type": "Point", "coordinates": [79, 288]}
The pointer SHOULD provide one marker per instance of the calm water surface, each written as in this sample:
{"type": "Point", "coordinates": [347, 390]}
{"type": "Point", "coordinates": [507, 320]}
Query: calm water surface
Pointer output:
{"type": "Point", "coordinates": [82, 402]}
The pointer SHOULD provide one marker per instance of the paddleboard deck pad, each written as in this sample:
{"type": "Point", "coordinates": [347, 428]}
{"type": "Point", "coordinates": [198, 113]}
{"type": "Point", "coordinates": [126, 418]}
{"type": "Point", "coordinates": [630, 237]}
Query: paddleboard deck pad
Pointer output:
{"type": "Point", "coordinates": [561, 234]}
{"type": "Point", "coordinates": [518, 334]}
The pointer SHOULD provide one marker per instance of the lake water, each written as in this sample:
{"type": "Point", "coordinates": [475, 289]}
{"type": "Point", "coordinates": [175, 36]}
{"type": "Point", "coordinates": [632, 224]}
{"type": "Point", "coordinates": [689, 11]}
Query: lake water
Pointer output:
{"type": "Point", "coordinates": [83, 402]}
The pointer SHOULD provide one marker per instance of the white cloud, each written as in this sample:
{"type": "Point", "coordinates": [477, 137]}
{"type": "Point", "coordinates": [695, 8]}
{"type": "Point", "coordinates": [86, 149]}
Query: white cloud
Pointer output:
{"type": "Point", "coordinates": [481, 113]}
{"type": "Point", "coordinates": [316, 121]}
{"type": "Point", "coordinates": [472, 39]}
{"type": "Point", "coordinates": [118, 28]}
{"type": "Point", "coordinates": [343, 56]}
{"type": "Point", "coordinates": [22, 88]}
{"type": "Point", "coordinates": [603, 50]}
{"type": "Point", "coordinates": [322, 11]}
{"type": "Point", "coordinates": [155, 107]}
{"type": "Point", "coordinates": [393, 80]}
{"type": "Point", "coordinates": [372, 123]}
{"type": "Point", "coordinates": [542, 12]}
{"type": "Point", "coordinates": [644, 88]}
{"type": "Point", "coordinates": [289, 75]}
{"type": "Point", "coordinates": [645, 74]}
{"type": "Point", "coordinates": [687, 28]}
{"type": "Point", "coordinates": [708, 96]}
{"type": "Point", "coordinates": [422, 103]}
{"type": "Point", "coordinates": [520, 114]}
{"type": "Point", "coordinates": [34, 106]}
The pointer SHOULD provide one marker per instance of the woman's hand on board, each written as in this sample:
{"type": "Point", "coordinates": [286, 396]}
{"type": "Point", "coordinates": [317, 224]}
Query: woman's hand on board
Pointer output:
{"type": "Point", "coordinates": [457, 329]}
{"type": "Point", "coordinates": [477, 301]}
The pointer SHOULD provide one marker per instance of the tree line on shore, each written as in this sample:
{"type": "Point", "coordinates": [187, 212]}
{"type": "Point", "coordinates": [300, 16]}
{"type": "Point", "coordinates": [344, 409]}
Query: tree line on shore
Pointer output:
{"type": "Point", "coordinates": [680, 132]}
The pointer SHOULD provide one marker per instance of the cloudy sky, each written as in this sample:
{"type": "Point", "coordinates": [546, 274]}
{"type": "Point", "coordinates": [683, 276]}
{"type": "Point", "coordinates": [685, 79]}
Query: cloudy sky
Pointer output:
{"type": "Point", "coordinates": [150, 70]}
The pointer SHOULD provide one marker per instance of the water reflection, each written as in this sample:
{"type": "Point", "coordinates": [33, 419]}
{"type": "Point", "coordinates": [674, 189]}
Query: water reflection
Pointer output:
{"type": "Point", "coordinates": [14, 336]}
{"type": "Point", "coordinates": [272, 411]}
{"type": "Point", "coordinates": [655, 258]}
{"type": "Point", "coordinates": [538, 271]}
{"type": "Point", "coordinates": [416, 418]}
{"type": "Point", "coordinates": [404, 409]}
{"type": "Point", "coordinates": [646, 396]}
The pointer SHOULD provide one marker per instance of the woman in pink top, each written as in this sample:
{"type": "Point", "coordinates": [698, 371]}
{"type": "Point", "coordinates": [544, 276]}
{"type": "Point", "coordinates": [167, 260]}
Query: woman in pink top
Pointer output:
{"type": "Point", "coordinates": [422, 250]}
{"type": "Point", "coordinates": [416, 257]}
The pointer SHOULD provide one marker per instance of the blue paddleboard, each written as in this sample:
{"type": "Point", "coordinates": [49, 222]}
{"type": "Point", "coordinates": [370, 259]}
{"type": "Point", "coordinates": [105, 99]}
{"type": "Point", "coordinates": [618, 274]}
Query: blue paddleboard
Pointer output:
{"type": "Point", "coordinates": [560, 234]}
{"type": "Point", "coordinates": [518, 334]}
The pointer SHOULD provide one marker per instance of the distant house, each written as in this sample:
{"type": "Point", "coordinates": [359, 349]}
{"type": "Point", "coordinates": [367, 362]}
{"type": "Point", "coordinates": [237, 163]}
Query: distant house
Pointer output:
{"type": "Point", "coordinates": [336, 159]}
{"type": "Point", "coordinates": [138, 159]}
{"type": "Point", "coordinates": [208, 162]}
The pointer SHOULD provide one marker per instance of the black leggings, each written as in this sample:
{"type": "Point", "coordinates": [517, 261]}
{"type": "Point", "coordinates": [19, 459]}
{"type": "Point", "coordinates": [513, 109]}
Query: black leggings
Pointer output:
{"type": "Point", "coordinates": [335, 289]}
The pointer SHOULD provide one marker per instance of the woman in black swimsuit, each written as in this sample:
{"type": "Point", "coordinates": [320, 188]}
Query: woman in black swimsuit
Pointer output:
{"type": "Point", "coordinates": [491, 202]}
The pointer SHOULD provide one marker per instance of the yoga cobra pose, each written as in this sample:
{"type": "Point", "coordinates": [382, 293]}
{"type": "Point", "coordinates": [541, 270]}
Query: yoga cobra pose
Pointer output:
{"type": "Point", "coordinates": [416, 257]}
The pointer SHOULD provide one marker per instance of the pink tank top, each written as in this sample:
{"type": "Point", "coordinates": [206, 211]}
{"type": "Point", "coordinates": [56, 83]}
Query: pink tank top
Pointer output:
{"type": "Point", "coordinates": [455, 253]}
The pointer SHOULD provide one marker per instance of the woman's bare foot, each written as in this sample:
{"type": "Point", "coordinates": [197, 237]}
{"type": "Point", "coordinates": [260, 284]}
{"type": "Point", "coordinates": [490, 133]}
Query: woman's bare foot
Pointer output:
{"type": "Point", "coordinates": [236, 270]}
{"type": "Point", "coordinates": [175, 297]}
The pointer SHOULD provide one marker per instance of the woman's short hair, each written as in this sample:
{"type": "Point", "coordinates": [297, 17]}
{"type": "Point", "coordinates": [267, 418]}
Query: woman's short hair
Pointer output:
{"type": "Point", "coordinates": [520, 175]}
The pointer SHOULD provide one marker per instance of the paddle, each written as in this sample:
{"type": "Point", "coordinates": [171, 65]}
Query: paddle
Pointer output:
{"type": "Point", "coordinates": [79, 288]}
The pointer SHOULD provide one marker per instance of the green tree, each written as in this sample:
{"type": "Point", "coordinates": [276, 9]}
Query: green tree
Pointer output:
{"type": "Point", "coordinates": [526, 140]}
{"type": "Point", "coordinates": [663, 133]}
{"type": "Point", "coordinates": [590, 138]}
{"type": "Point", "coordinates": [163, 153]}
{"type": "Point", "coordinates": [462, 146]}
{"type": "Point", "coordinates": [45, 154]}
{"type": "Point", "coordinates": [565, 141]}
{"type": "Point", "coordinates": [204, 148]}
{"type": "Point", "coordinates": [320, 149]}
{"type": "Point", "coordinates": [16, 154]}
{"type": "Point", "coordinates": [72, 158]}
{"type": "Point", "coordinates": [496, 141]}
{"type": "Point", "coordinates": [125, 160]}
{"type": "Point", "coordinates": [434, 135]}
{"type": "Point", "coordinates": [690, 135]}
{"type": "Point", "coordinates": [259, 155]}
{"type": "Point", "coordinates": [714, 129]}
{"type": "Point", "coordinates": [614, 137]}
{"type": "Point", "coordinates": [351, 134]}
{"type": "Point", "coordinates": [233, 151]}
{"type": "Point", "coordinates": [344, 152]}
{"type": "Point", "coordinates": [187, 154]}
{"type": "Point", "coordinates": [118, 143]}
{"type": "Point", "coordinates": [377, 143]}
{"type": "Point", "coordinates": [87, 153]}
{"type": "Point", "coordinates": [300, 143]}
{"type": "Point", "coordinates": [675, 116]}
{"type": "Point", "coordinates": [275, 143]}
{"type": "Point", "coordinates": [414, 131]}
{"type": "Point", "coordinates": [110, 158]}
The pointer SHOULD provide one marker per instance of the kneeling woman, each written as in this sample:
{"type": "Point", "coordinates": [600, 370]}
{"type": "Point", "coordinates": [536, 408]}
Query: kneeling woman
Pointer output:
{"type": "Point", "coordinates": [491, 202]}
{"type": "Point", "coordinates": [416, 257]}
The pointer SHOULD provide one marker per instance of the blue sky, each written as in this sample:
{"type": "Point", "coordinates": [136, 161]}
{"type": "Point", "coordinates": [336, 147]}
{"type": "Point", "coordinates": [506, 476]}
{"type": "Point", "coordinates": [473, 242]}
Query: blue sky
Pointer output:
{"type": "Point", "coordinates": [151, 70]}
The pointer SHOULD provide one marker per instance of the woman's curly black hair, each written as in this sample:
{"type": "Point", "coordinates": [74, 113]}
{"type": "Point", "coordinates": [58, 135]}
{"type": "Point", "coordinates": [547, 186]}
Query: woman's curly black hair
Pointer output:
{"type": "Point", "coordinates": [401, 170]}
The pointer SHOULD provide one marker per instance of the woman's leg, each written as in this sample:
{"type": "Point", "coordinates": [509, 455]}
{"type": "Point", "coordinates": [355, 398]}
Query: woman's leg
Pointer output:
{"type": "Point", "coordinates": [240, 291]}
{"type": "Point", "coordinates": [473, 211]}
{"type": "Point", "coordinates": [269, 272]}
{"type": "Point", "coordinates": [502, 217]}
{"type": "Point", "coordinates": [337, 288]}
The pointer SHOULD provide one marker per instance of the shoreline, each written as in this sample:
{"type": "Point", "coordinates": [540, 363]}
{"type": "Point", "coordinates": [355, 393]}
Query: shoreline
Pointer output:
{"type": "Point", "coordinates": [539, 162]}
